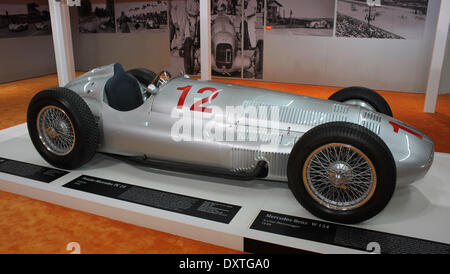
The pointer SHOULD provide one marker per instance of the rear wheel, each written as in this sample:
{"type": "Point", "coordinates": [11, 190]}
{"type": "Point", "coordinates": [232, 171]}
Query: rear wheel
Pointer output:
{"type": "Point", "coordinates": [62, 128]}
{"type": "Point", "coordinates": [362, 97]}
{"type": "Point", "coordinates": [342, 172]}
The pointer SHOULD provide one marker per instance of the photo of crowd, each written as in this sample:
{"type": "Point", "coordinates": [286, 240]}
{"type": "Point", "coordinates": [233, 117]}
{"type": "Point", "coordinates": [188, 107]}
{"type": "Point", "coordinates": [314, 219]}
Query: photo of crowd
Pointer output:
{"type": "Point", "coordinates": [96, 16]}
{"type": "Point", "coordinates": [141, 16]}
{"type": "Point", "coordinates": [392, 19]}
{"type": "Point", "coordinates": [30, 18]}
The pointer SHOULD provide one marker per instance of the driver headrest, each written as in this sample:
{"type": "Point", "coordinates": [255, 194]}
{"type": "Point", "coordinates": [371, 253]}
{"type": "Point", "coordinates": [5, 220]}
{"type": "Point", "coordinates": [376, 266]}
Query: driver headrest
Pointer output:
{"type": "Point", "coordinates": [118, 68]}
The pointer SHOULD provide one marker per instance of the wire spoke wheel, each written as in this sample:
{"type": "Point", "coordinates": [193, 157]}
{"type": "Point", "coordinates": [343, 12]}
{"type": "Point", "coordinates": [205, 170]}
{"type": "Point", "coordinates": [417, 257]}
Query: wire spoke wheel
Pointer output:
{"type": "Point", "coordinates": [62, 128]}
{"type": "Point", "coordinates": [342, 172]}
{"type": "Point", "coordinates": [339, 176]}
{"type": "Point", "coordinates": [56, 130]}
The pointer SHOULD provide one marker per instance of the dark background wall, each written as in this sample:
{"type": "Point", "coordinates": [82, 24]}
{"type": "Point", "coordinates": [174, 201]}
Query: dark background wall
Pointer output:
{"type": "Point", "coordinates": [26, 57]}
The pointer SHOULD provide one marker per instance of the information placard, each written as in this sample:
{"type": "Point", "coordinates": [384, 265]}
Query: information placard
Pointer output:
{"type": "Point", "coordinates": [192, 206]}
{"type": "Point", "coordinates": [345, 236]}
{"type": "Point", "coordinates": [30, 171]}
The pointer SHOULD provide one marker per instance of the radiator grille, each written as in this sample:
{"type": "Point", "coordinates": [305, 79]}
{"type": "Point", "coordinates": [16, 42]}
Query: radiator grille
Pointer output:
{"type": "Point", "coordinates": [224, 56]}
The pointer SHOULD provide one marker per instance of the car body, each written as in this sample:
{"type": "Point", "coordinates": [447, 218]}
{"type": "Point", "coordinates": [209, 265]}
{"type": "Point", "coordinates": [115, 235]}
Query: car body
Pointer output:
{"type": "Point", "coordinates": [147, 129]}
{"type": "Point", "coordinates": [18, 27]}
{"type": "Point", "coordinates": [319, 24]}
{"type": "Point", "coordinates": [322, 148]}
{"type": "Point", "coordinates": [41, 26]}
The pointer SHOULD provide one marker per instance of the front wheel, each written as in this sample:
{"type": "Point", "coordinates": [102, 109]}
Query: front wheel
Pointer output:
{"type": "Point", "coordinates": [62, 128]}
{"type": "Point", "coordinates": [342, 172]}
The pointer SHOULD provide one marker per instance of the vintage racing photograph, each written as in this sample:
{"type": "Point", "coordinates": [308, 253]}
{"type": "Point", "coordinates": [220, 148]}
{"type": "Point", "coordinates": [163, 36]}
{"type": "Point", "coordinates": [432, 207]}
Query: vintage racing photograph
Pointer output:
{"type": "Point", "coordinates": [141, 16]}
{"type": "Point", "coordinates": [96, 16]}
{"type": "Point", "coordinates": [184, 26]}
{"type": "Point", "coordinates": [301, 17]}
{"type": "Point", "coordinates": [394, 19]}
{"type": "Point", "coordinates": [19, 18]}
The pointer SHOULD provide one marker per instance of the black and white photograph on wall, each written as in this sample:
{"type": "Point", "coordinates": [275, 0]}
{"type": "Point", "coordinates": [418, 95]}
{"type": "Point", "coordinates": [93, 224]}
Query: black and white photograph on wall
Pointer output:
{"type": "Point", "coordinates": [19, 18]}
{"type": "Point", "coordinates": [226, 39]}
{"type": "Point", "coordinates": [184, 26]}
{"type": "Point", "coordinates": [96, 16]}
{"type": "Point", "coordinates": [393, 19]}
{"type": "Point", "coordinates": [253, 38]}
{"type": "Point", "coordinates": [237, 38]}
{"type": "Point", "coordinates": [141, 16]}
{"type": "Point", "coordinates": [301, 17]}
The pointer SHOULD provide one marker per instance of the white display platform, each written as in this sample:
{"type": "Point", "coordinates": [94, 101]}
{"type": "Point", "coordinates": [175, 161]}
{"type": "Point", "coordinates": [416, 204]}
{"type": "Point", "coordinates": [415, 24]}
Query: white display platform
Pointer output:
{"type": "Point", "coordinates": [421, 210]}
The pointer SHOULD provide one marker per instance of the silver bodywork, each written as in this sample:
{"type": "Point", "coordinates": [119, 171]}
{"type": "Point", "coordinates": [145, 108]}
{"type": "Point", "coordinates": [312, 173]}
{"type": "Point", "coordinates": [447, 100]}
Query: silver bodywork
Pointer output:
{"type": "Point", "coordinates": [147, 130]}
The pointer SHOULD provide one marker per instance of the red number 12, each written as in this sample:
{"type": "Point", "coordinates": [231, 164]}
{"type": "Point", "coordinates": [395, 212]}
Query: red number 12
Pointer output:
{"type": "Point", "coordinates": [197, 106]}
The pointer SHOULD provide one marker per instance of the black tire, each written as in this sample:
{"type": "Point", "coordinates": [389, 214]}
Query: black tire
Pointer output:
{"type": "Point", "coordinates": [259, 64]}
{"type": "Point", "coordinates": [85, 128]}
{"type": "Point", "coordinates": [365, 94]}
{"type": "Point", "coordinates": [247, 43]}
{"type": "Point", "coordinates": [360, 138]}
{"type": "Point", "coordinates": [189, 56]}
{"type": "Point", "coordinates": [144, 76]}
{"type": "Point", "coordinates": [172, 31]}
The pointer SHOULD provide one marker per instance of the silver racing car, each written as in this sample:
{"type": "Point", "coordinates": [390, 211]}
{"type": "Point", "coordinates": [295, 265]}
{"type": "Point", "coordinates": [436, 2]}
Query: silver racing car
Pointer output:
{"type": "Point", "coordinates": [341, 157]}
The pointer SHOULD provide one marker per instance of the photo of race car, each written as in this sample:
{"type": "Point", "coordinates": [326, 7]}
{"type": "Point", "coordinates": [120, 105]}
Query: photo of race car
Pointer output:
{"type": "Point", "coordinates": [18, 27]}
{"type": "Point", "coordinates": [141, 17]}
{"type": "Point", "coordinates": [41, 26]}
{"type": "Point", "coordinates": [18, 19]}
{"type": "Point", "coordinates": [301, 17]}
{"type": "Point", "coordinates": [237, 38]}
{"type": "Point", "coordinates": [342, 158]}
{"type": "Point", "coordinates": [227, 52]}
{"type": "Point", "coordinates": [319, 24]}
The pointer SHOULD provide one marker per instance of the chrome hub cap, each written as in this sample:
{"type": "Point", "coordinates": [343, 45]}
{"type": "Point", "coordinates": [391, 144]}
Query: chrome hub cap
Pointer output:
{"type": "Point", "coordinates": [339, 173]}
{"type": "Point", "coordinates": [56, 130]}
{"type": "Point", "coordinates": [339, 176]}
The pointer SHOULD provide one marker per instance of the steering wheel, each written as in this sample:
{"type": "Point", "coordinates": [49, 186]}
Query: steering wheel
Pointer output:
{"type": "Point", "coordinates": [162, 78]}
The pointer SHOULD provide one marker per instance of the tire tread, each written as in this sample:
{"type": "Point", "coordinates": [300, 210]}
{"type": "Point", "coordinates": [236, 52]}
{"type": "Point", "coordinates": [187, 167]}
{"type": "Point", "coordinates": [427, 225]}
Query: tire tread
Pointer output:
{"type": "Point", "coordinates": [88, 130]}
{"type": "Point", "coordinates": [362, 138]}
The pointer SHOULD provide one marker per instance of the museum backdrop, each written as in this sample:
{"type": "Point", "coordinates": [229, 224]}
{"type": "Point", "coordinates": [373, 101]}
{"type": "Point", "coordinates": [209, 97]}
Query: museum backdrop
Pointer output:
{"type": "Point", "coordinates": [384, 64]}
